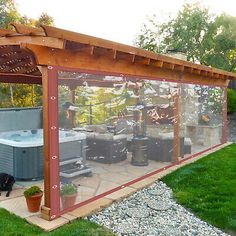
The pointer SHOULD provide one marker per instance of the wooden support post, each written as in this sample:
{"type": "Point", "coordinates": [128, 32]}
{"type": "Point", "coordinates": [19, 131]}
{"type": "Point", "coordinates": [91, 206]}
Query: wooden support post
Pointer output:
{"type": "Point", "coordinates": [176, 142]}
{"type": "Point", "coordinates": [51, 144]}
{"type": "Point", "coordinates": [72, 117]}
{"type": "Point", "coordinates": [225, 121]}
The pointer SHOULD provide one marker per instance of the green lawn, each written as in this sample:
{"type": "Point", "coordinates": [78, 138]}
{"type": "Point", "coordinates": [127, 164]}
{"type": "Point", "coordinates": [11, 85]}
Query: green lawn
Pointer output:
{"type": "Point", "coordinates": [11, 225]}
{"type": "Point", "coordinates": [208, 188]}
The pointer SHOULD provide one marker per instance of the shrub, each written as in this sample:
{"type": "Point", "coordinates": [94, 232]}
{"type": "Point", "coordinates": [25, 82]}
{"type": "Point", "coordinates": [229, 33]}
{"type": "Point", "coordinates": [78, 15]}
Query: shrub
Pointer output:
{"type": "Point", "coordinates": [68, 189]}
{"type": "Point", "coordinates": [32, 191]}
{"type": "Point", "coordinates": [231, 102]}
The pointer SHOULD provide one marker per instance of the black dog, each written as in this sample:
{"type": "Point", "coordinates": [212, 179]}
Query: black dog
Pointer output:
{"type": "Point", "coordinates": [6, 183]}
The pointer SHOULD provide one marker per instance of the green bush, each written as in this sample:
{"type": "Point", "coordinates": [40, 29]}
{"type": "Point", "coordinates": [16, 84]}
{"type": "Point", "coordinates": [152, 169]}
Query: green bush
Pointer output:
{"type": "Point", "coordinates": [32, 191]}
{"type": "Point", "coordinates": [68, 189]}
{"type": "Point", "coordinates": [231, 104]}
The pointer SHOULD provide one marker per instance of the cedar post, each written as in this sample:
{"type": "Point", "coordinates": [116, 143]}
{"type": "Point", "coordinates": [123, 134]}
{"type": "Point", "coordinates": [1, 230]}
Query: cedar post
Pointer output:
{"type": "Point", "coordinates": [51, 144]}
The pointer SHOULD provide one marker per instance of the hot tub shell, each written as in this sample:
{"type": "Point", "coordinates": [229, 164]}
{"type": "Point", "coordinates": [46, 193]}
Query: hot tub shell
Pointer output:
{"type": "Point", "coordinates": [24, 160]}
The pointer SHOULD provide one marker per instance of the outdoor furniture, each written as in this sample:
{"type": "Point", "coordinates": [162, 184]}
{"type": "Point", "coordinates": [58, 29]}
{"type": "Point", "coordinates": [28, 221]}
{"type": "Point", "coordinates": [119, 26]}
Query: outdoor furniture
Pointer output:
{"type": "Point", "coordinates": [106, 148]}
{"type": "Point", "coordinates": [103, 146]}
{"type": "Point", "coordinates": [161, 148]}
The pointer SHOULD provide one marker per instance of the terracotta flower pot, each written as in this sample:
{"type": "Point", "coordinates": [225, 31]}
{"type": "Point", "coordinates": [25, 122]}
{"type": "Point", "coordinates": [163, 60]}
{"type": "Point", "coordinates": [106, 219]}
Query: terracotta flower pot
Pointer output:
{"type": "Point", "coordinates": [34, 202]}
{"type": "Point", "coordinates": [68, 200]}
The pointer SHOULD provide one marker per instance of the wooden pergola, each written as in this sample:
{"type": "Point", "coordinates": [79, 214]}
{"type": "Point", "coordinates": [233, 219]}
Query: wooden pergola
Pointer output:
{"type": "Point", "coordinates": [35, 55]}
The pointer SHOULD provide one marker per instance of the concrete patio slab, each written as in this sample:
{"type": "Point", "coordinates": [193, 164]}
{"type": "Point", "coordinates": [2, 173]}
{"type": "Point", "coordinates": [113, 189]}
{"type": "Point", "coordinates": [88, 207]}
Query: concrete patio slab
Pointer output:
{"type": "Point", "coordinates": [17, 206]}
{"type": "Point", "coordinates": [69, 217]}
{"type": "Point", "coordinates": [47, 225]}
{"type": "Point", "coordinates": [17, 192]}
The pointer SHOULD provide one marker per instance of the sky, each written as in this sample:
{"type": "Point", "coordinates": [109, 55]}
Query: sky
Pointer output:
{"type": "Point", "coordinates": [116, 20]}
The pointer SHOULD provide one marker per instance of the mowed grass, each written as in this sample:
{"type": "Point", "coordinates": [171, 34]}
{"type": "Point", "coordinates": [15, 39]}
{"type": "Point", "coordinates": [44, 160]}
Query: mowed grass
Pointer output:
{"type": "Point", "coordinates": [208, 188]}
{"type": "Point", "coordinates": [11, 225]}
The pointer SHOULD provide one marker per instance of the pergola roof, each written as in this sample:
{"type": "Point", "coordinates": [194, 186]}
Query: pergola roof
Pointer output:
{"type": "Point", "coordinates": [24, 49]}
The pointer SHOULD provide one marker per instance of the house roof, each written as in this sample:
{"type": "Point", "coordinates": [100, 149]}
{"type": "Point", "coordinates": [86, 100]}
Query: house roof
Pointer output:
{"type": "Point", "coordinates": [23, 49]}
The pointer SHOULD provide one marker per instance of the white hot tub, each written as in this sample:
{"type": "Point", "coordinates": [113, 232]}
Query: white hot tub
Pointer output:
{"type": "Point", "coordinates": [21, 152]}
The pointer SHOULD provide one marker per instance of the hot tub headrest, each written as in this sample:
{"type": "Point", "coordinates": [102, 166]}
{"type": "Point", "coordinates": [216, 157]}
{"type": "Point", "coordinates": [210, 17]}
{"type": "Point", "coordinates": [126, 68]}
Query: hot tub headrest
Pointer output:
{"type": "Point", "coordinates": [20, 119]}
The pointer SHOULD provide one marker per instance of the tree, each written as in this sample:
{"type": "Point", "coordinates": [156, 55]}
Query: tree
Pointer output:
{"type": "Point", "coordinates": [19, 95]}
{"type": "Point", "coordinates": [208, 39]}
{"type": "Point", "coordinates": [222, 53]}
{"type": "Point", "coordinates": [44, 19]}
{"type": "Point", "coordinates": [8, 13]}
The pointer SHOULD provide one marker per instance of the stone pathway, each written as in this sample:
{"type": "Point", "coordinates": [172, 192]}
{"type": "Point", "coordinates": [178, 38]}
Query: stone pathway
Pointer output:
{"type": "Point", "coordinates": [153, 212]}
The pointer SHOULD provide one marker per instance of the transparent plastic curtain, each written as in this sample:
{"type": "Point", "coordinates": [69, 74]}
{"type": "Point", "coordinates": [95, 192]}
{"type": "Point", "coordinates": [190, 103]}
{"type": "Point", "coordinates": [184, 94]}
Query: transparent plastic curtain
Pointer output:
{"type": "Point", "coordinates": [21, 134]}
{"type": "Point", "coordinates": [113, 129]}
{"type": "Point", "coordinates": [201, 115]}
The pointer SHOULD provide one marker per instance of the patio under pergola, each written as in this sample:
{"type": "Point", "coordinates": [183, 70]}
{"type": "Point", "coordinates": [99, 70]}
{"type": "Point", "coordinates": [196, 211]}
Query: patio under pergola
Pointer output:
{"type": "Point", "coordinates": [113, 114]}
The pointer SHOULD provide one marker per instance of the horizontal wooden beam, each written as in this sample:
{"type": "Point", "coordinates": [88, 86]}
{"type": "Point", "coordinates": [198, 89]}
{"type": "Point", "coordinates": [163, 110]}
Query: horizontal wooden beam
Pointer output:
{"type": "Point", "coordinates": [20, 78]}
{"type": "Point", "coordinates": [142, 60]}
{"type": "Point", "coordinates": [188, 69]}
{"type": "Point", "coordinates": [179, 68]}
{"type": "Point", "coordinates": [38, 40]}
{"type": "Point", "coordinates": [82, 61]}
{"type": "Point", "coordinates": [168, 66]}
{"type": "Point", "coordinates": [7, 32]}
{"type": "Point", "coordinates": [203, 80]}
{"type": "Point", "coordinates": [98, 42]}
{"type": "Point", "coordinates": [156, 63]}
{"type": "Point", "coordinates": [196, 71]}
{"type": "Point", "coordinates": [124, 56]}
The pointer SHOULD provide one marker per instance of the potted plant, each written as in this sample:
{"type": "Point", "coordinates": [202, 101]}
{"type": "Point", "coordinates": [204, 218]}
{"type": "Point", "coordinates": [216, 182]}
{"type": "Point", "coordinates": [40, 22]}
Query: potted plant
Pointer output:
{"type": "Point", "coordinates": [68, 195]}
{"type": "Point", "coordinates": [33, 196]}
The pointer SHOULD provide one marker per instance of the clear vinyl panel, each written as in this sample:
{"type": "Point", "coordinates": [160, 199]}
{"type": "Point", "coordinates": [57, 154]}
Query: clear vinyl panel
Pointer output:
{"type": "Point", "coordinates": [21, 133]}
{"type": "Point", "coordinates": [113, 129]}
{"type": "Point", "coordinates": [202, 116]}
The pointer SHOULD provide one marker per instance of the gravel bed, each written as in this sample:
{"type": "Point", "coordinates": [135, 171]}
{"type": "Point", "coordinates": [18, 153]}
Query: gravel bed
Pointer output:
{"type": "Point", "coordinates": [153, 212]}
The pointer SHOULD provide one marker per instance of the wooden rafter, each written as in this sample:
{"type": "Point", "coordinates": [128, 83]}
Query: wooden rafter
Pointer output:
{"type": "Point", "coordinates": [23, 30]}
{"type": "Point", "coordinates": [14, 59]}
{"type": "Point", "coordinates": [7, 50]}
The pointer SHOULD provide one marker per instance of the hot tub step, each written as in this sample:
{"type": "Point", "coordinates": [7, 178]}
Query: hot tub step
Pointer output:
{"type": "Point", "coordinates": [74, 159]}
{"type": "Point", "coordinates": [75, 172]}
